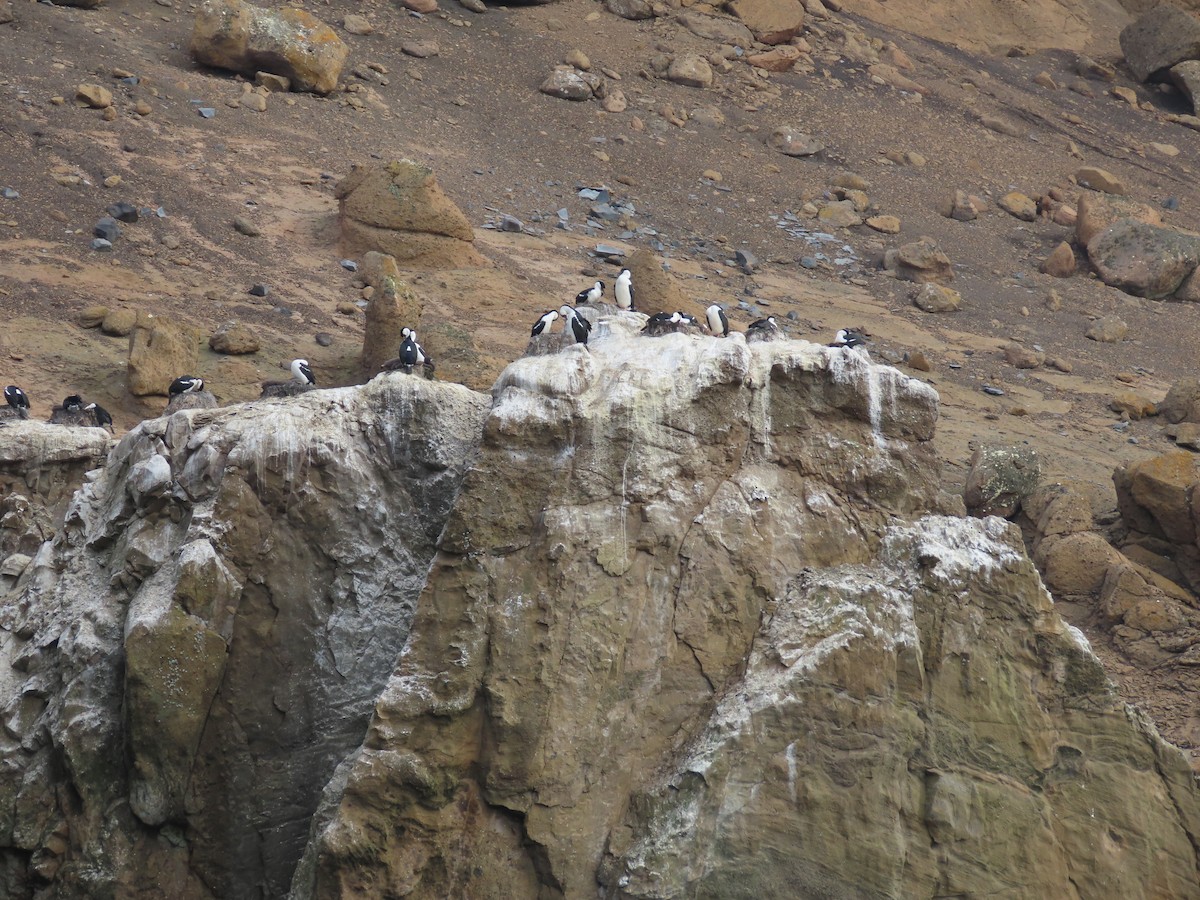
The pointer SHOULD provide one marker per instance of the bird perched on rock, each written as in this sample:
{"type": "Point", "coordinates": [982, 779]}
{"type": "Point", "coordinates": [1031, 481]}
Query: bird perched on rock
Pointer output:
{"type": "Point", "coordinates": [16, 399]}
{"type": "Point", "coordinates": [592, 294]}
{"type": "Point", "coordinates": [423, 358]}
{"type": "Point", "coordinates": [545, 321]}
{"type": "Point", "coordinates": [623, 291]}
{"type": "Point", "coordinates": [763, 330]}
{"type": "Point", "coordinates": [718, 322]}
{"type": "Point", "coordinates": [410, 354]}
{"type": "Point", "coordinates": [73, 403]}
{"type": "Point", "coordinates": [186, 384]}
{"type": "Point", "coordinates": [103, 419]}
{"type": "Point", "coordinates": [849, 337]}
{"type": "Point", "coordinates": [662, 323]}
{"type": "Point", "coordinates": [580, 327]}
{"type": "Point", "coordinates": [301, 373]}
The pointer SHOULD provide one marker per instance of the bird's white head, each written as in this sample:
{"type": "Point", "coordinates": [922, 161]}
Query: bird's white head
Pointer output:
{"type": "Point", "coordinates": [626, 276]}
{"type": "Point", "coordinates": [297, 366]}
{"type": "Point", "coordinates": [566, 311]}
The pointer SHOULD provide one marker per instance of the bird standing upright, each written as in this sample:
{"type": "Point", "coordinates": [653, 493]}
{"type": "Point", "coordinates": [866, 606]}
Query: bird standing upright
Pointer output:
{"type": "Point", "coordinates": [302, 373]}
{"type": "Point", "coordinates": [718, 322]}
{"type": "Point", "coordinates": [592, 294]}
{"type": "Point", "coordinates": [623, 291]}
{"type": "Point", "coordinates": [580, 327]}
{"type": "Point", "coordinates": [544, 322]}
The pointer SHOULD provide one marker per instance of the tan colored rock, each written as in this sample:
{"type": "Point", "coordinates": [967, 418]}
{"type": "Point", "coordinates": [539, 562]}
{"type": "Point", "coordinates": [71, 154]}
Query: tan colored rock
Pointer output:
{"type": "Point", "coordinates": [839, 214]}
{"type": "Point", "coordinates": [119, 322]}
{"type": "Point", "coordinates": [398, 208]}
{"type": "Point", "coordinates": [394, 306]}
{"type": "Point", "coordinates": [159, 352]}
{"type": "Point", "coordinates": [721, 29]}
{"type": "Point", "coordinates": [1132, 405]}
{"type": "Point", "coordinates": [1182, 403]}
{"type": "Point", "coordinates": [1095, 212]}
{"type": "Point", "coordinates": [1107, 329]}
{"type": "Point", "coordinates": [1046, 80]}
{"type": "Point", "coordinates": [1019, 205]}
{"type": "Point", "coordinates": [231, 34]}
{"type": "Point", "coordinates": [358, 25]}
{"type": "Point", "coordinates": [1101, 180]}
{"type": "Point", "coordinates": [690, 69]}
{"type": "Point", "coordinates": [999, 478]}
{"type": "Point", "coordinates": [1060, 263]}
{"type": "Point", "coordinates": [771, 21]}
{"type": "Point", "coordinates": [780, 59]}
{"type": "Point", "coordinates": [614, 101]}
{"type": "Point", "coordinates": [656, 288]}
{"type": "Point", "coordinates": [92, 316]}
{"type": "Point", "coordinates": [882, 73]}
{"type": "Point", "coordinates": [1155, 495]}
{"type": "Point", "coordinates": [1077, 563]}
{"type": "Point", "coordinates": [959, 206]}
{"type": "Point", "coordinates": [94, 95]}
{"type": "Point", "coordinates": [923, 261]}
{"type": "Point", "coordinates": [234, 339]}
{"type": "Point", "coordinates": [1187, 434]}
{"type": "Point", "coordinates": [793, 142]}
{"type": "Point", "coordinates": [1144, 260]}
{"type": "Point", "coordinates": [934, 298]}
{"type": "Point", "coordinates": [884, 224]}
{"type": "Point", "coordinates": [273, 82]}
{"type": "Point", "coordinates": [578, 59]}
{"type": "Point", "coordinates": [1023, 357]}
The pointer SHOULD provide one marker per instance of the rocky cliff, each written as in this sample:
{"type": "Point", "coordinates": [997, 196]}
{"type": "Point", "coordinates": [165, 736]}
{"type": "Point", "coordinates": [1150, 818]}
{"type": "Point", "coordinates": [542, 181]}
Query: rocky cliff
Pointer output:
{"type": "Point", "coordinates": [664, 617]}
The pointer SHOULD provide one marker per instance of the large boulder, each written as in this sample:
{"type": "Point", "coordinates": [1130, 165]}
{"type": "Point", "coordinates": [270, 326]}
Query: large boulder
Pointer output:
{"type": "Point", "coordinates": [655, 288]}
{"type": "Point", "coordinates": [999, 478]}
{"type": "Point", "coordinates": [1182, 403]}
{"type": "Point", "coordinates": [771, 21]}
{"type": "Point", "coordinates": [398, 208]}
{"type": "Point", "coordinates": [717, 28]}
{"type": "Point", "coordinates": [231, 34]}
{"type": "Point", "coordinates": [159, 352]}
{"type": "Point", "coordinates": [1144, 260]}
{"type": "Point", "coordinates": [1163, 37]}
{"type": "Point", "coordinates": [1155, 496]}
{"type": "Point", "coordinates": [924, 262]}
{"type": "Point", "coordinates": [1186, 77]}
{"type": "Point", "coordinates": [1096, 211]}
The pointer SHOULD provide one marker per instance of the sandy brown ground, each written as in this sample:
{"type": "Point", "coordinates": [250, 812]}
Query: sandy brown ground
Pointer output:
{"type": "Point", "coordinates": [475, 115]}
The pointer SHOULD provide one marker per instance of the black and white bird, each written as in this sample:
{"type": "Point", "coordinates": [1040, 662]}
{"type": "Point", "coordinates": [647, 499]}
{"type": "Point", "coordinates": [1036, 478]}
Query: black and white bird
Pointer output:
{"type": "Point", "coordinates": [849, 337]}
{"type": "Point", "coordinates": [662, 323]}
{"type": "Point", "coordinates": [73, 403]}
{"type": "Point", "coordinates": [186, 384]}
{"type": "Point", "coordinates": [545, 321]}
{"type": "Point", "coordinates": [762, 330]}
{"type": "Point", "coordinates": [423, 358]}
{"type": "Point", "coordinates": [592, 294]}
{"type": "Point", "coordinates": [410, 352]}
{"type": "Point", "coordinates": [687, 320]}
{"type": "Point", "coordinates": [623, 290]}
{"type": "Point", "coordinates": [580, 327]}
{"type": "Point", "coordinates": [103, 419]}
{"type": "Point", "coordinates": [302, 373]}
{"type": "Point", "coordinates": [15, 397]}
{"type": "Point", "coordinates": [718, 322]}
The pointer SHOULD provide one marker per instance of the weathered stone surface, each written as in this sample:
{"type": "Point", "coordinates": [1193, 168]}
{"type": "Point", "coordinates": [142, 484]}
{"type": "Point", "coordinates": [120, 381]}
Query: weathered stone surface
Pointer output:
{"type": "Point", "coordinates": [1019, 205]}
{"type": "Point", "coordinates": [923, 261]}
{"type": "Point", "coordinates": [231, 34]}
{"type": "Point", "coordinates": [1144, 260]}
{"type": "Point", "coordinates": [94, 95]}
{"type": "Point", "coordinates": [630, 9]}
{"type": "Point", "coordinates": [1186, 77]}
{"type": "Point", "coordinates": [656, 288]}
{"type": "Point", "coordinates": [159, 352]}
{"type": "Point", "coordinates": [1077, 563]}
{"type": "Point", "coordinates": [717, 28]}
{"type": "Point", "coordinates": [884, 224]}
{"type": "Point", "coordinates": [781, 59]}
{"type": "Point", "coordinates": [690, 69]}
{"type": "Point", "coordinates": [1159, 39]}
{"type": "Point", "coordinates": [999, 478]}
{"type": "Point", "coordinates": [1182, 403]}
{"type": "Point", "coordinates": [225, 604]}
{"type": "Point", "coordinates": [394, 307]}
{"type": "Point", "coordinates": [1161, 487]}
{"type": "Point", "coordinates": [771, 21]}
{"type": "Point", "coordinates": [934, 298]}
{"type": "Point", "coordinates": [398, 208]}
{"type": "Point", "coordinates": [1101, 180]}
{"type": "Point", "coordinates": [1132, 405]}
{"type": "Point", "coordinates": [119, 322]}
{"type": "Point", "coordinates": [1095, 212]}
{"type": "Point", "coordinates": [839, 214]}
{"type": "Point", "coordinates": [566, 83]}
{"type": "Point", "coordinates": [234, 339]}
{"type": "Point", "coordinates": [1107, 329]}
{"type": "Point", "coordinates": [792, 142]}
{"type": "Point", "coordinates": [1023, 357]}
{"type": "Point", "coordinates": [959, 206]}
{"type": "Point", "coordinates": [1060, 263]}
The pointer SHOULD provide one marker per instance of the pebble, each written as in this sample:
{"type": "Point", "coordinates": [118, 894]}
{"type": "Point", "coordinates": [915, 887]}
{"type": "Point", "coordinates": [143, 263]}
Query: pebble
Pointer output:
{"type": "Point", "coordinates": [259, 290]}
{"type": "Point", "coordinates": [94, 95]}
{"type": "Point", "coordinates": [993, 391]}
{"type": "Point", "coordinates": [511, 224]}
{"type": "Point", "coordinates": [359, 25]}
{"type": "Point", "coordinates": [206, 112]}
{"type": "Point", "coordinates": [108, 229]}
{"type": "Point", "coordinates": [349, 265]}
{"type": "Point", "coordinates": [112, 181]}
{"type": "Point", "coordinates": [420, 49]}
{"type": "Point", "coordinates": [323, 338]}
{"type": "Point", "coordinates": [142, 108]}
{"type": "Point", "coordinates": [244, 226]}
{"type": "Point", "coordinates": [578, 59]}
{"type": "Point", "coordinates": [10, 194]}
{"type": "Point", "coordinates": [809, 262]}
{"type": "Point", "coordinates": [101, 244]}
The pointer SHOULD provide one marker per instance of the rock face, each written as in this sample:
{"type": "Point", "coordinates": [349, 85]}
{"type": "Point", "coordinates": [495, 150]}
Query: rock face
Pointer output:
{"type": "Point", "coordinates": [683, 648]}
{"type": "Point", "coordinates": [230, 34]}
{"type": "Point", "coordinates": [685, 621]}
{"type": "Point", "coordinates": [222, 606]}
{"type": "Point", "coordinates": [1158, 40]}
{"type": "Point", "coordinates": [398, 208]}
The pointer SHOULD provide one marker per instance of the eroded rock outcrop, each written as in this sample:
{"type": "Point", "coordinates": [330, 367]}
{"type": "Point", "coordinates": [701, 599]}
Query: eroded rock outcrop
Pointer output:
{"type": "Point", "coordinates": [188, 661]}
{"type": "Point", "coordinates": [687, 635]}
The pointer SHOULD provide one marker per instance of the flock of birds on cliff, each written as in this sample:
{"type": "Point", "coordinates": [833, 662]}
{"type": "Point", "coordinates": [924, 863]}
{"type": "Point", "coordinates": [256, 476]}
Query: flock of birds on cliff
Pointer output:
{"type": "Point", "coordinates": [412, 355]}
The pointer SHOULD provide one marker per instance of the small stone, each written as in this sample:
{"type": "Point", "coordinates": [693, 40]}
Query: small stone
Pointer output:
{"type": "Point", "coordinates": [107, 228]}
{"type": "Point", "coordinates": [1100, 180]}
{"type": "Point", "coordinates": [359, 25]}
{"type": "Point", "coordinates": [323, 339]}
{"type": "Point", "coordinates": [349, 265]}
{"type": "Point", "coordinates": [1168, 150]}
{"type": "Point", "coordinates": [711, 175]}
{"type": "Point", "coordinates": [92, 316]}
{"type": "Point", "coordinates": [112, 181]}
{"type": "Point", "coordinates": [94, 95]}
{"type": "Point", "coordinates": [420, 49]}
{"type": "Point", "coordinates": [10, 194]}
{"type": "Point", "coordinates": [917, 360]}
{"type": "Point", "coordinates": [1019, 205]}
{"type": "Point", "coordinates": [1125, 94]}
{"type": "Point", "coordinates": [244, 226]}
{"type": "Point", "coordinates": [1053, 300]}
{"type": "Point", "coordinates": [839, 214]}
{"type": "Point", "coordinates": [206, 112]}
{"type": "Point", "coordinates": [791, 142]}
{"type": "Point", "coordinates": [934, 298]}
{"type": "Point", "coordinates": [420, 6]}
{"type": "Point", "coordinates": [779, 59]}
{"type": "Point", "coordinates": [171, 241]}
{"type": "Point", "coordinates": [691, 70]}
{"type": "Point", "coordinates": [234, 339]}
{"type": "Point", "coordinates": [884, 224]}
{"type": "Point", "coordinates": [1046, 80]}
{"type": "Point", "coordinates": [959, 206]}
{"type": "Point", "coordinates": [256, 102]}
{"type": "Point", "coordinates": [347, 308]}
{"type": "Point", "coordinates": [1023, 357]}
{"type": "Point", "coordinates": [1060, 263]}
{"type": "Point", "coordinates": [578, 59]}
{"type": "Point", "coordinates": [747, 260]}
{"type": "Point", "coordinates": [101, 245]}
{"type": "Point", "coordinates": [1060, 364]}
{"type": "Point", "coordinates": [566, 83]}
{"type": "Point", "coordinates": [142, 108]}
{"type": "Point", "coordinates": [615, 102]}
{"type": "Point", "coordinates": [1133, 405]}
{"type": "Point", "coordinates": [273, 82]}
{"type": "Point", "coordinates": [475, 6]}
{"type": "Point", "coordinates": [109, 114]}
{"type": "Point", "coordinates": [1107, 330]}
{"type": "Point", "coordinates": [259, 290]}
